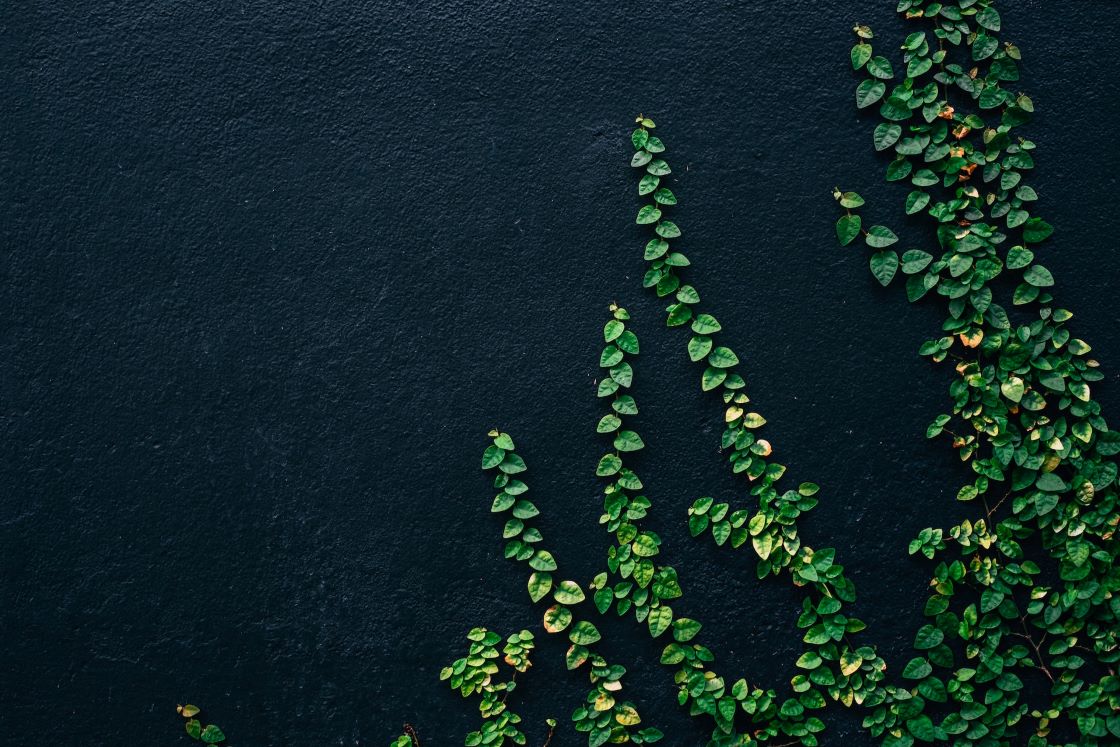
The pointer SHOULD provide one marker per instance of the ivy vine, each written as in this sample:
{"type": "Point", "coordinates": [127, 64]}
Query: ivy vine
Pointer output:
{"type": "Point", "coordinates": [1023, 418]}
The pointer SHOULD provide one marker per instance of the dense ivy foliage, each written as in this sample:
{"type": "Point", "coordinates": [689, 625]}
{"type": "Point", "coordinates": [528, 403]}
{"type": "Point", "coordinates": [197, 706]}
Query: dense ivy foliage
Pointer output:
{"type": "Point", "coordinates": [1027, 587]}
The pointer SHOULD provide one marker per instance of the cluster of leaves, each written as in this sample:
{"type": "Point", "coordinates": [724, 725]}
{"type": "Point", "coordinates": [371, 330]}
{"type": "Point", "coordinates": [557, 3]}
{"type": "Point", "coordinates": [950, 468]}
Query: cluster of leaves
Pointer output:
{"type": "Point", "coordinates": [1023, 418]}
{"type": "Point", "coordinates": [605, 716]}
{"type": "Point", "coordinates": [208, 734]}
{"type": "Point", "coordinates": [476, 672]}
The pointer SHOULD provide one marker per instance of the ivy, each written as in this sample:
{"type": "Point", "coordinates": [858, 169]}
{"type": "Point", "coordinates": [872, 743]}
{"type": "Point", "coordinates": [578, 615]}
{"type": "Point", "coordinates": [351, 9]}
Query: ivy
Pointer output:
{"type": "Point", "coordinates": [605, 716]}
{"type": "Point", "coordinates": [209, 734]}
{"type": "Point", "coordinates": [841, 671]}
{"type": "Point", "coordinates": [476, 674]}
{"type": "Point", "coordinates": [1023, 419]}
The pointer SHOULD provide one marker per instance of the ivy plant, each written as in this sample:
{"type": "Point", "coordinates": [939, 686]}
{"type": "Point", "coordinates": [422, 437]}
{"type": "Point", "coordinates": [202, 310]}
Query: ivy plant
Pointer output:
{"type": "Point", "coordinates": [196, 730]}
{"type": "Point", "coordinates": [1026, 589]}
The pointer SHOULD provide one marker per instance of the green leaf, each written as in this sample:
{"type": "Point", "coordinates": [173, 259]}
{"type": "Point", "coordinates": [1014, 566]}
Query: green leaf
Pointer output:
{"type": "Point", "coordinates": [699, 347]}
{"type": "Point", "coordinates": [915, 260]}
{"type": "Point", "coordinates": [886, 135]}
{"type": "Point", "coordinates": [1036, 230]}
{"type": "Point", "coordinates": [705, 324]}
{"type": "Point", "coordinates": [639, 138]}
{"type": "Point", "coordinates": [542, 560]}
{"type": "Point", "coordinates": [918, 668]}
{"type": "Point", "coordinates": [194, 728]}
{"type": "Point", "coordinates": [1039, 277]}
{"type": "Point", "coordinates": [608, 465]}
{"type": "Point", "coordinates": [667, 230]}
{"type": "Point", "coordinates": [685, 629]}
{"type": "Point", "coordinates": [1018, 257]}
{"type": "Point", "coordinates": [658, 167]}
{"type": "Point", "coordinates": [660, 619]}
{"type": "Point", "coordinates": [712, 378]}
{"type": "Point", "coordinates": [608, 424]}
{"type": "Point", "coordinates": [584, 633]}
{"type": "Point", "coordinates": [880, 67]}
{"type": "Point", "coordinates": [648, 183]}
{"type": "Point", "coordinates": [850, 200]}
{"type": "Point", "coordinates": [212, 734]}
{"type": "Point", "coordinates": [722, 357]}
{"type": "Point", "coordinates": [557, 618]}
{"type": "Point", "coordinates": [568, 592]}
{"type": "Point", "coordinates": [540, 583]}
{"type": "Point", "coordinates": [628, 441]}
{"type": "Point", "coordinates": [847, 228]}
{"type": "Point", "coordinates": [491, 458]}
{"type": "Point", "coordinates": [916, 202]}
{"type": "Point", "coordinates": [989, 18]}
{"type": "Point", "coordinates": [928, 637]}
{"type": "Point", "coordinates": [189, 710]}
{"type": "Point", "coordinates": [880, 237]}
{"type": "Point", "coordinates": [1013, 389]}
{"type": "Point", "coordinates": [883, 266]}
{"type": "Point", "coordinates": [861, 53]}
{"type": "Point", "coordinates": [648, 214]}
{"type": "Point", "coordinates": [1050, 483]}
{"type": "Point", "coordinates": [868, 92]}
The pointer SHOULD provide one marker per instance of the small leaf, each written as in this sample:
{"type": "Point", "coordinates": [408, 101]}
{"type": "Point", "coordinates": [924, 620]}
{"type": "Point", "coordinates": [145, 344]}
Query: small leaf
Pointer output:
{"type": "Point", "coordinates": [1039, 277]}
{"type": "Point", "coordinates": [699, 347]}
{"type": "Point", "coordinates": [722, 357]}
{"type": "Point", "coordinates": [212, 734]}
{"type": "Point", "coordinates": [628, 441]}
{"type": "Point", "coordinates": [880, 237]}
{"type": "Point", "coordinates": [194, 728]}
{"type": "Point", "coordinates": [660, 619]}
{"type": "Point", "coordinates": [540, 583]}
{"type": "Point", "coordinates": [861, 53]}
{"type": "Point", "coordinates": [584, 633]}
{"type": "Point", "coordinates": [1036, 230]}
{"type": "Point", "coordinates": [886, 135]}
{"type": "Point", "coordinates": [884, 265]}
{"type": "Point", "coordinates": [868, 92]}
{"type": "Point", "coordinates": [880, 67]}
{"type": "Point", "coordinates": [847, 228]}
{"type": "Point", "coordinates": [556, 618]}
{"type": "Point", "coordinates": [989, 18]}
{"type": "Point", "coordinates": [189, 711]}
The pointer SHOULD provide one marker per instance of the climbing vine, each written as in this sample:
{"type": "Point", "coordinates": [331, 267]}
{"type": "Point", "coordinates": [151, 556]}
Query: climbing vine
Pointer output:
{"type": "Point", "coordinates": [1023, 418]}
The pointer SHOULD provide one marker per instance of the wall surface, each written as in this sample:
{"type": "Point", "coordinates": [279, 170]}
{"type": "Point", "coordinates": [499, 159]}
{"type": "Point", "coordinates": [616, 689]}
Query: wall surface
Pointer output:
{"type": "Point", "coordinates": [272, 269]}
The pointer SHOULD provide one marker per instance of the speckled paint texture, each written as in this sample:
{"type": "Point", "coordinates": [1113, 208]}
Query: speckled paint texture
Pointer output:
{"type": "Point", "coordinates": [272, 269]}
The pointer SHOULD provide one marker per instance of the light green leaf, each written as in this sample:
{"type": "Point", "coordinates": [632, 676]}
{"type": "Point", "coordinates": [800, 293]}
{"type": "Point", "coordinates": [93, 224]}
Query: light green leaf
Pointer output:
{"type": "Point", "coordinates": [883, 266]}
{"type": "Point", "coordinates": [880, 237]}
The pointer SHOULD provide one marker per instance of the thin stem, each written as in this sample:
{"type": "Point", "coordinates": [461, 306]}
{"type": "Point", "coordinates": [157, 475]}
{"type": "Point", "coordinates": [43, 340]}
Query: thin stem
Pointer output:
{"type": "Point", "coordinates": [411, 732]}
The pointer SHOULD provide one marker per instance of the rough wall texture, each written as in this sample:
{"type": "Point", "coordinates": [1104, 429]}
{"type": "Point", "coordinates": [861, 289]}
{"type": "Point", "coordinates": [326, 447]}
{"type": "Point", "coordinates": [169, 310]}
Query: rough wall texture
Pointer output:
{"type": "Point", "coordinates": [271, 269]}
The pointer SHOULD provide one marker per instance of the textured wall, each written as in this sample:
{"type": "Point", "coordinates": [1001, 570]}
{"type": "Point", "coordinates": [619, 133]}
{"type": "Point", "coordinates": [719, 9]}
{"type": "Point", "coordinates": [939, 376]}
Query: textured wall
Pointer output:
{"type": "Point", "coordinates": [272, 269]}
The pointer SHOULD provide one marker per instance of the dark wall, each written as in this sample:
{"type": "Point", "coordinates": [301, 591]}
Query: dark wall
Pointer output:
{"type": "Point", "coordinates": [272, 269]}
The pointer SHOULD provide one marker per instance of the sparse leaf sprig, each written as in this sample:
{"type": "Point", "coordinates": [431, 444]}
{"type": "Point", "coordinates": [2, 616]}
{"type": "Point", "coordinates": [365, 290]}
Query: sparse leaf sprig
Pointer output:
{"type": "Point", "coordinates": [833, 665]}
{"type": "Point", "coordinates": [605, 716]}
